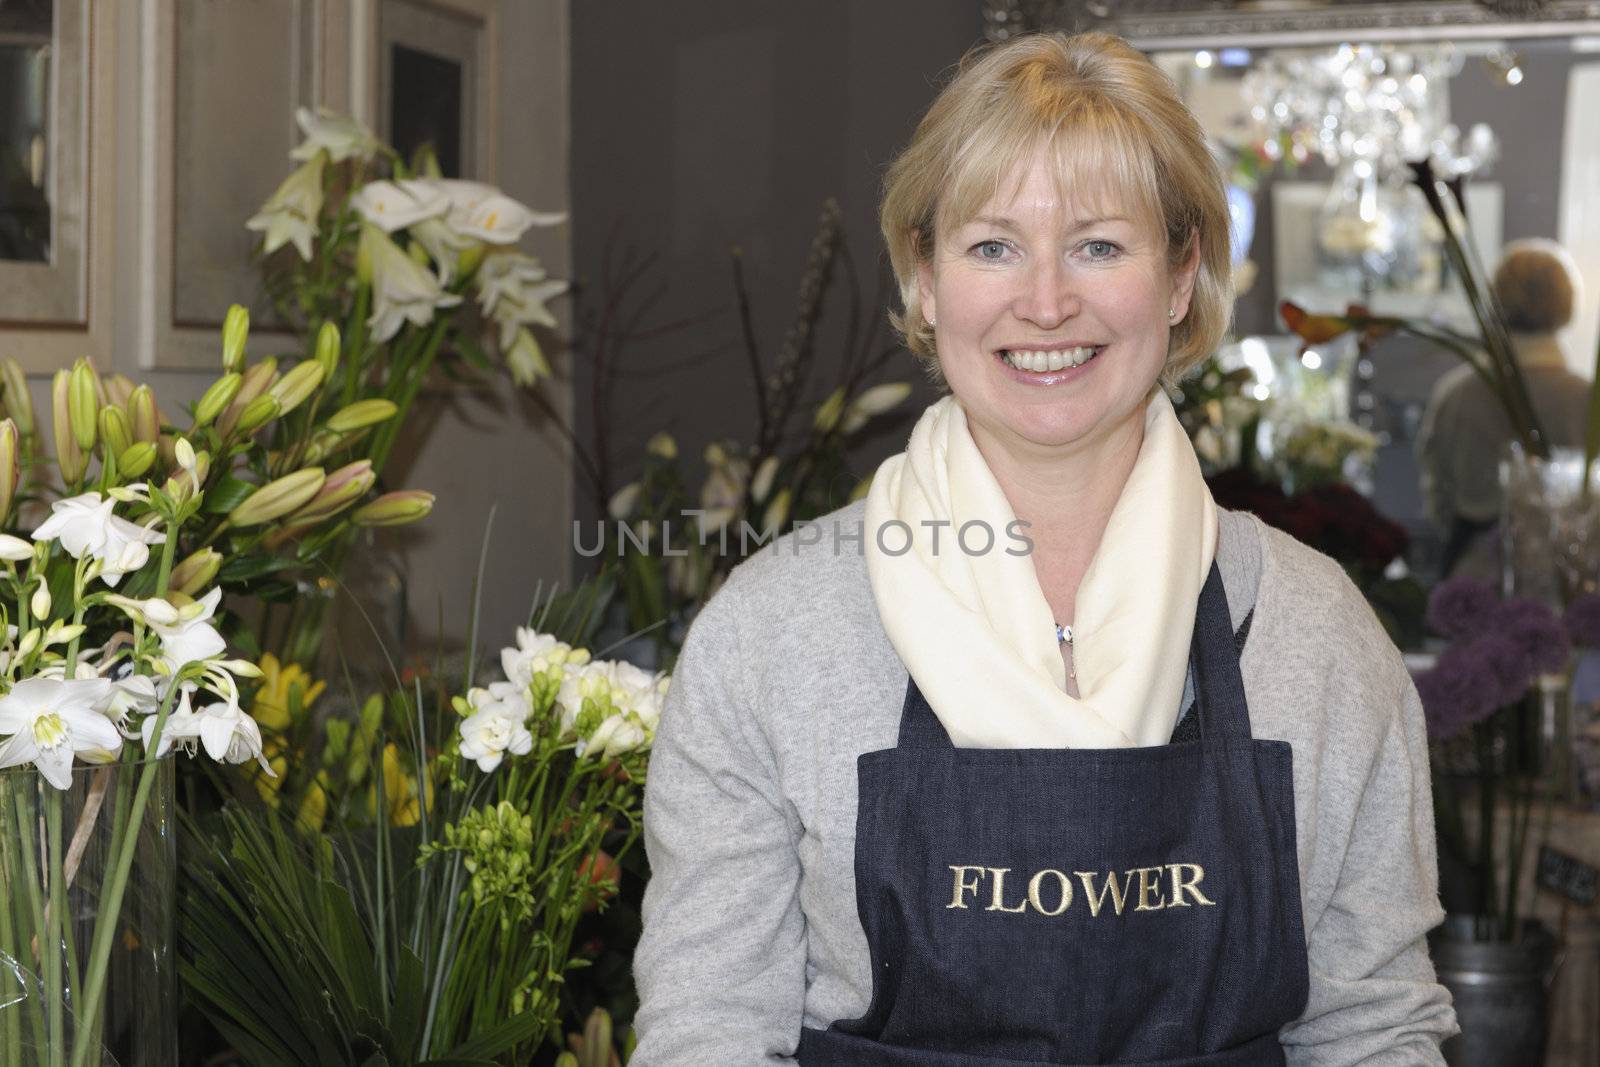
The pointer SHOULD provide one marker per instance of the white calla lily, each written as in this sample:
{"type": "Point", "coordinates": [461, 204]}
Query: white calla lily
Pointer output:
{"type": "Point", "coordinates": [290, 213]}
{"type": "Point", "coordinates": [50, 721]}
{"type": "Point", "coordinates": [402, 290]}
{"type": "Point", "coordinates": [341, 136]}
{"type": "Point", "coordinates": [84, 524]}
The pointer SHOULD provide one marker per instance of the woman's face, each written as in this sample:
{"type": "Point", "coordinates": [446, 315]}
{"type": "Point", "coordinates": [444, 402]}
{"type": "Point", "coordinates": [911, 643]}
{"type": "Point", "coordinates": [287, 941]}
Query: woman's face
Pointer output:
{"type": "Point", "coordinates": [1033, 286]}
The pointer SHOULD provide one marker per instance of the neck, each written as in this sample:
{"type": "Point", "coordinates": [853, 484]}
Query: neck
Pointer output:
{"type": "Point", "coordinates": [1066, 498]}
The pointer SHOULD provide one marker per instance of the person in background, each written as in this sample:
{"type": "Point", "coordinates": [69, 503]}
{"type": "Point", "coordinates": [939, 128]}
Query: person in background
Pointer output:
{"type": "Point", "coordinates": [1465, 431]}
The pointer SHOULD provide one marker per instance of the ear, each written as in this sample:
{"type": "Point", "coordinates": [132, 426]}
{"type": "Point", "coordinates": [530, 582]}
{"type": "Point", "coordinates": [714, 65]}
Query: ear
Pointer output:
{"type": "Point", "coordinates": [1183, 279]}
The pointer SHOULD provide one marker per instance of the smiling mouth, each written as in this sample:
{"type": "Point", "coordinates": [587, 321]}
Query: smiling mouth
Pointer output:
{"type": "Point", "coordinates": [1040, 362]}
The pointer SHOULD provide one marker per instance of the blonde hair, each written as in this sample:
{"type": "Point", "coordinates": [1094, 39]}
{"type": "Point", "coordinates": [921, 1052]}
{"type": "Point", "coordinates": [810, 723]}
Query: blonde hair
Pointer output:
{"type": "Point", "coordinates": [1119, 135]}
{"type": "Point", "coordinates": [1536, 284]}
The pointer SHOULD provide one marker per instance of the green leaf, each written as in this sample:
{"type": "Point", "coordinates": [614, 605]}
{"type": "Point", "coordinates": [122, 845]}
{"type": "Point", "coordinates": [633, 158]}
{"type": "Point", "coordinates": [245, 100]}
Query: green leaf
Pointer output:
{"type": "Point", "coordinates": [497, 1039]}
{"type": "Point", "coordinates": [226, 495]}
{"type": "Point", "coordinates": [247, 568]}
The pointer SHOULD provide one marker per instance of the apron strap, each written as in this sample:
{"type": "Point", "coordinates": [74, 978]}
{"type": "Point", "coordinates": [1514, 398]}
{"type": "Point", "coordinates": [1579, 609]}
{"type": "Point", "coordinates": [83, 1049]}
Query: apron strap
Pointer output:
{"type": "Point", "coordinates": [1219, 687]}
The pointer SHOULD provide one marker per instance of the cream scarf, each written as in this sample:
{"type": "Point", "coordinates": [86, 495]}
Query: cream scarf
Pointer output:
{"type": "Point", "coordinates": [973, 626]}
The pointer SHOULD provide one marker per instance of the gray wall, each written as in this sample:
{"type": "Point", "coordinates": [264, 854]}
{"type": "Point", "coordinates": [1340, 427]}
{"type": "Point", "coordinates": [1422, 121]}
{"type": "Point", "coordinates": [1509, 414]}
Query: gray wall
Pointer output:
{"type": "Point", "coordinates": [708, 125]}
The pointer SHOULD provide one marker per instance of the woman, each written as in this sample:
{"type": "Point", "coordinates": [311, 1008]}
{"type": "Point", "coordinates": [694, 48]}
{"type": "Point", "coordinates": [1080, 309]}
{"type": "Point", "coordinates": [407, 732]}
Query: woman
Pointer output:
{"type": "Point", "coordinates": [912, 799]}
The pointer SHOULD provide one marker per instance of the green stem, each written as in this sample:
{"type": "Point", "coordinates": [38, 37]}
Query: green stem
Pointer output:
{"type": "Point", "coordinates": [384, 438]}
{"type": "Point", "coordinates": [122, 853]}
{"type": "Point", "coordinates": [10, 1028]}
{"type": "Point", "coordinates": [50, 942]}
{"type": "Point", "coordinates": [27, 836]}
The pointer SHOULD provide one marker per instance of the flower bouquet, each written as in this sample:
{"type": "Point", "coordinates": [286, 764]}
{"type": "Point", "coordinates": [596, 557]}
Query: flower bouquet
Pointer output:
{"type": "Point", "coordinates": [96, 687]}
{"type": "Point", "coordinates": [385, 254]}
{"type": "Point", "coordinates": [450, 939]}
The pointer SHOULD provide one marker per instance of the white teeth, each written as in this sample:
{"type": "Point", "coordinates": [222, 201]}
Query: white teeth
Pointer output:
{"type": "Point", "coordinates": [1048, 361]}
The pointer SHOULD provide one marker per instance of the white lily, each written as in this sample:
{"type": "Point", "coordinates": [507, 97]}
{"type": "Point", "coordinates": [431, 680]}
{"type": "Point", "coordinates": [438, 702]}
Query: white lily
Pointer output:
{"type": "Point", "coordinates": [290, 213]}
{"type": "Point", "coordinates": [512, 290]}
{"type": "Point", "coordinates": [443, 245]}
{"type": "Point", "coordinates": [182, 727]}
{"type": "Point", "coordinates": [187, 635]}
{"type": "Point", "coordinates": [493, 730]}
{"type": "Point", "coordinates": [392, 206]}
{"type": "Point", "coordinates": [135, 693]}
{"type": "Point", "coordinates": [402, 290]}
{"type": "Point", "coordinates": [341, 136]}
{"type": "Point", "coordinates": [228, 734]}
{"type": "Point", "coordinates": [51, 721]}
{"type": "Point", "coordinates": [483, 212]}
{"type": "Point", "coordinates": [85, 524]}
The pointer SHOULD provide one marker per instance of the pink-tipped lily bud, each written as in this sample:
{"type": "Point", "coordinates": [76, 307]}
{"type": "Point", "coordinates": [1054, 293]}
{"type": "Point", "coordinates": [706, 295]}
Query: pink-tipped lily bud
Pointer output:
{"type": "Point", "coordinates": [395, 509]}
{"type": "Point", "coordinates": [278, 497]}
{"type": "Point", "coordinates": [342, 488]}
{"type": "Point", "coordinates": [293, 388]}
{"type": "Point", "coordinates": [257, 380]}
{"type": "Point", "coordinates": [115, 433]}
{"type": "Point", "coordinates": [69, 457]}
{"type": "Point", "coordinates": [118, 388]}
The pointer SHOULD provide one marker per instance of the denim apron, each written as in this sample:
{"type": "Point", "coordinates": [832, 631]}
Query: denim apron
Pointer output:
{"type": "Point", "coordinates": [1078, 906]}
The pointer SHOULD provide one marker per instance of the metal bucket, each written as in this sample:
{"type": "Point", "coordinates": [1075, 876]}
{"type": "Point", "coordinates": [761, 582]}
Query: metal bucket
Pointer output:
{"type": "Point", "coordinates": [1501, 991]}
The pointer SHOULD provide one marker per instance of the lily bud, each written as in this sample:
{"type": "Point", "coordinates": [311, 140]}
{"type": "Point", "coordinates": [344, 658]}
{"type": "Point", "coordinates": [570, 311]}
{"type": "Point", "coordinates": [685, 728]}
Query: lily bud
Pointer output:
{"type": "Point", "coordinates": [19, 405]}
{"type": "Point", "coordinates": [143, 415]}
{"type": "Point", "coordinates": [328, 349]}
{"type": "Point", "coordinates": [364, 253]}
{"type": "Point", "coordinates": [341, 489]}
{"type": "Point", "coordinates": [526, 360]}
{"type": "Point", "coordinates": [83, 404]}
{"type": "Point", "coordinates": [777, 512]}
{"type": "Point", "coordinates": [361, 414]}
{"type": "Point", "coordinates": [235, 331]}
{"type": "Point", "coordinates": [118, 388]}
{"type": "Point", "coordinates": [624, 500]}
{"type": "Point", "coordinates": [196, 572]}
{"type": "Point", "coordinates": [259, 412]}
{"type": "Point", "coordinates": [29, 642]}
{"type": "Point", "coordinates": [830, 411]}
{"type": "Point", "coordinates": [115, 433]}
{"type": "Point", "coordinates": [217, 398]}
{"type": "Point", "coordinates": [395, 509]}
{"type": "Point", "coordinates": [184, 483]}
{"type": "Point", "coordinates": [278, 498]}
{"type": "Point", "coordinates": [10, 465]}
{"type": "Point", "coordinates": [15, 549]}
{"type": "Point", "coordinates": [874, 401]}
{"type": "Point", "coordinates": [257, 380]}
{"type": "Point", "coordinates": [69, 457]}
{"type": "Point", "coordinates": [136, 459]}
{"type": "Point", "coordinates": [39, 603]}
{"type": "Point", "coordinates": [293, 388]}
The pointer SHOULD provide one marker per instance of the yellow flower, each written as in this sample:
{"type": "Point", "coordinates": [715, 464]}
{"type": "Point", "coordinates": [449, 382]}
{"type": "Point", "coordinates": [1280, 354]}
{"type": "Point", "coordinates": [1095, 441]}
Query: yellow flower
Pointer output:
{"type": "Point", "coordinates": [399, 790]}
{"type": "Point", "coordinates": [282, 688]}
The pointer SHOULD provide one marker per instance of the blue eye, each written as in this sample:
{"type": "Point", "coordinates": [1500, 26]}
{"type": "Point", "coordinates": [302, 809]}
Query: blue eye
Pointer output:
{"type": "Point", "coordinates": [1101, 249]}
{"type": "Point", "coordinates": [982, 247]}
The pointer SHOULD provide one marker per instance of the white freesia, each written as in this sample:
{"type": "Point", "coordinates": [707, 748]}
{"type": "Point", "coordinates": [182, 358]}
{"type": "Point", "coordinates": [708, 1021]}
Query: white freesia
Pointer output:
{"type": "Point", "coordinates": [395, 205]}
{"type": "Point", "coordinates": [84, 524]}
{"type": "Point", "coordinates": [615, 736]}
{"type": "Point", "coordinates": [186, 633]}
{"type": "Point", "coordinates": [50, 721]}
{"type": "Point", "coordinates": [402, 290]}
{"type": "Point", "coordinates": [492, 730]}
{"type": "Point", "coordinates": [535, 654]}
{"type": "Point", "coordinates": [290, 213]}
{"type": "Point", "coordinates": [341, 136]}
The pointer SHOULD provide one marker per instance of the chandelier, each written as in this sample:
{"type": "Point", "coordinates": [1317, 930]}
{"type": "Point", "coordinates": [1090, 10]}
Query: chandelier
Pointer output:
{"type": "Point", "coordinates": [1371, 108]}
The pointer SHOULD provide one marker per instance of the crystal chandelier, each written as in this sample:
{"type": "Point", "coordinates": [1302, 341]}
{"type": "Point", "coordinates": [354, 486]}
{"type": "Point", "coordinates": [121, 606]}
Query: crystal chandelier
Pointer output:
{"type": "Point", "coordinates": [1371, 108]}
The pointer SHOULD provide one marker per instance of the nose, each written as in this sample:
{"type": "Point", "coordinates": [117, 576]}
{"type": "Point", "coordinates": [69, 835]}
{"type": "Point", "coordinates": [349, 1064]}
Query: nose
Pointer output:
{"type": "Point", "coordinates": [1047, 296]}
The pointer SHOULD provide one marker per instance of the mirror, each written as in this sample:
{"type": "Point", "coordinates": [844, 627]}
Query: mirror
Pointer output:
{"type": "Point", "coordinates": [26, 30]}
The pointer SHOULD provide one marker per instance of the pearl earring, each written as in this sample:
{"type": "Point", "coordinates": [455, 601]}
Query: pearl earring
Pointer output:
{"type": "Point", "coordinates": [1172, 313]}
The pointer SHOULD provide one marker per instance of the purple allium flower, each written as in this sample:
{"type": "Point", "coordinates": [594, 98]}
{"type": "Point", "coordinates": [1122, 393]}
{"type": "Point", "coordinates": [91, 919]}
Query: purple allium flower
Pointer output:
{"type": "Point", "coordinates": [1505, 664]}
{"type": "Point", "coordinates": [1460, 607]}
{"type": "Point", "coordinates": [1536, 630]}
{"type": "Point", "coordinates": [1458, 692]}
{"type": "Point", "coordinates": [1583, 620]}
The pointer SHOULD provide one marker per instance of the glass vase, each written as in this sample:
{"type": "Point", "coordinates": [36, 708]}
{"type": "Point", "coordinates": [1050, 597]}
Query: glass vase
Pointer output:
{"type": "Point", "coordinates": [87, 893]}
{"type": "Point", "coordinates": [1549, 528]}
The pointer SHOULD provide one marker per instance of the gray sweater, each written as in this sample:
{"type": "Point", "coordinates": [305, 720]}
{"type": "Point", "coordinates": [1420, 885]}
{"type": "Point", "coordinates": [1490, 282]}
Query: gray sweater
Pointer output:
{"type": "Point", "coordinates": [786, 676]}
